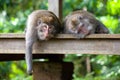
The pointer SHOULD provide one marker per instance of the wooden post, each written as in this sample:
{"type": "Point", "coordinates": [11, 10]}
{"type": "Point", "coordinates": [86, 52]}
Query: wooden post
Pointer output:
{"type": "Point", "coordinates": [56, 7]}
{"type": "Point", "coordinates": [88, 64]}
{"type": "Point", "coordinates": [52, 71]}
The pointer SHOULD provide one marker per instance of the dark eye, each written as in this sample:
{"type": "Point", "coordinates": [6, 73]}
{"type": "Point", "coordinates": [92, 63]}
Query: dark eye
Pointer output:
{"type": "Point", "coordinates": [41, 30]}
{"type": "Point", "coordinates": [38, 22]}
{"type": "Point", "coordinates": [80, 17]}
{"type": "Point", "coordinates": [50, 28]}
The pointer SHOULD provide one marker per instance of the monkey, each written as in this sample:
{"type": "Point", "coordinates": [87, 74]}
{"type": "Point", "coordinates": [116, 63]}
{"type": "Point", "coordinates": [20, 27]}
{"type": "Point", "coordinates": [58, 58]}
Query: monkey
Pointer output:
{"type": "Point", "coordinates": [41, 25]}
{"type": "Point", "coordinates": [83, 23]}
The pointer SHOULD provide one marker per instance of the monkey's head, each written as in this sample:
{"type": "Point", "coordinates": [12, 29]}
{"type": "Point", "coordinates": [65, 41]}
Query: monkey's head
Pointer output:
{"type": "Point", "coordinates": [80, 24]}
{"type": "Point", "coordinates": [46, 28]}
{"type": "Point", "coordinates": [83, 23]}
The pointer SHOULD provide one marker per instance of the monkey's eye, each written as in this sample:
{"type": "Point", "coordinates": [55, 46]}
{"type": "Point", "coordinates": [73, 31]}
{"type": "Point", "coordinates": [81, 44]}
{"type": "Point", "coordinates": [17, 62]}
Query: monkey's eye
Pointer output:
{"type": "Point", "coordinates": [80, 17]}
{"type": "Point", "coordinates": [51, 29]}
{"type": "Point", "coordinates": [38, 22]}
{"type": "Point", "coordinates": [40, 30]}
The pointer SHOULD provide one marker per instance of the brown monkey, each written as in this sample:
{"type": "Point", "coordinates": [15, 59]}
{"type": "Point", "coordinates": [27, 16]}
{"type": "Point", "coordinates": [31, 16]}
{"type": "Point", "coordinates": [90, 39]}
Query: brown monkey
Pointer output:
{"type": "Point", "coordinates": [41, 25]}
{"type": "Point", "coordinates": [83, 23]}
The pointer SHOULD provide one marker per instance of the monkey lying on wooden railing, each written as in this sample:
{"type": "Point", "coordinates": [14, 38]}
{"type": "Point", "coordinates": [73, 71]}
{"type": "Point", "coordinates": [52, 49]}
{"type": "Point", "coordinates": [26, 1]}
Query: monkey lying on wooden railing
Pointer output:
{"type": "Point", "coordinates": [41, 25]}
{"type": "Point", "coordinates": [82, 23]}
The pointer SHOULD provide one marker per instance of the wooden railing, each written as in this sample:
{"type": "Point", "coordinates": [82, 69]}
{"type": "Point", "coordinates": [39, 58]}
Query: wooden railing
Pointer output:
{"type": "Point", "coordinates": [63, 44]}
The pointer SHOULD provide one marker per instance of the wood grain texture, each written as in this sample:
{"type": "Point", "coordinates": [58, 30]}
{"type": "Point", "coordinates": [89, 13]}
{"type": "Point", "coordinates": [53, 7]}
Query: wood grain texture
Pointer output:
{"type": "Point", "coordinates": [52, 70]}
{"type": "Point", "coordinates": [64, 36]}
{"type": "Point", "coordinates": [63, 44]}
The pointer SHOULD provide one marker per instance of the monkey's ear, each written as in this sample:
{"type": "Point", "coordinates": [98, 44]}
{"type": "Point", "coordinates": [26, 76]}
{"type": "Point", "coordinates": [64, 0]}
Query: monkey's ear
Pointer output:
{"type": "Point", "coordinates": [101, 28]}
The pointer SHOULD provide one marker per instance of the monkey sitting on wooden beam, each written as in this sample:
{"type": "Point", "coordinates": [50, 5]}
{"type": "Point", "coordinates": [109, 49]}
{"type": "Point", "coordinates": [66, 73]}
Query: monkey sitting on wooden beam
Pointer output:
{"type": "Point", "coordinates": [41, 25]}
{"type": "Point", "coordinates": [82, 23]}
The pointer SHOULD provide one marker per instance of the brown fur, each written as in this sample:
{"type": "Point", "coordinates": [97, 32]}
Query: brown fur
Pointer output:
{"type": "Point", "coordinates": [83, 23]}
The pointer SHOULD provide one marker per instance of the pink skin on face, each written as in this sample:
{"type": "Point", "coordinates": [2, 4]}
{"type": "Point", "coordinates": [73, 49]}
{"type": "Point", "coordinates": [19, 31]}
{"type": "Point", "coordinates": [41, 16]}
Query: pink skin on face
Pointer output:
{"type": "Point", "coordinates": [46, 31]}
{"type": "Point", "coordinates": [83, 30]}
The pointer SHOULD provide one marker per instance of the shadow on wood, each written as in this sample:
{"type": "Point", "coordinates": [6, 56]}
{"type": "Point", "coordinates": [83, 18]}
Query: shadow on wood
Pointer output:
{"type": "Point", "coordinates": [52, 70]}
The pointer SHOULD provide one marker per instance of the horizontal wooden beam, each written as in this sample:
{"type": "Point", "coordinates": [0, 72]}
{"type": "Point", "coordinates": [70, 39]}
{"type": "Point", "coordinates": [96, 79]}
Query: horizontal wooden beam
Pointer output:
{"type": "Point", "coordinates": [63, 44]}
{"type": "Point", "coordinates": [62, 36]}
{"type": "Point", "coordinates": [15, 57]}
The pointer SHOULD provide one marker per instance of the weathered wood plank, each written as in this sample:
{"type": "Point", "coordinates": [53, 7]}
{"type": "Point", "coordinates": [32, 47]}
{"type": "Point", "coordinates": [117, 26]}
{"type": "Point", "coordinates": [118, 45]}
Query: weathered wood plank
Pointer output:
{"type": "Point", "coordinates": [52, 71]}
{"type": "Point", "coordinates": [12, 36]}
{"type": "Point", "coordinates": [62, 36]}
{"type": "Point", "coordinates": [63, 43]}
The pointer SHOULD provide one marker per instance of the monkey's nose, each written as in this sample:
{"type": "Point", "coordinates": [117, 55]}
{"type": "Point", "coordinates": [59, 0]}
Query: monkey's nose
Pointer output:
{"type": "Point", "coordinates": [80, 26]}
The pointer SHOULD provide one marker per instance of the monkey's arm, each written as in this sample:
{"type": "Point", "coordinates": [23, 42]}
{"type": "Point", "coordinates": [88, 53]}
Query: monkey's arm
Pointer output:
{"type": "Point", "coordinates": [101, 28]}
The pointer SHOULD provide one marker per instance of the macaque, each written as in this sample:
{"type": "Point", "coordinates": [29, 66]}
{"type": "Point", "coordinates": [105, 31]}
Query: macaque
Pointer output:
{"type": "Point", "coordinates": [41, 25]}
{"type": "Point", "coordinates": [82, 23]}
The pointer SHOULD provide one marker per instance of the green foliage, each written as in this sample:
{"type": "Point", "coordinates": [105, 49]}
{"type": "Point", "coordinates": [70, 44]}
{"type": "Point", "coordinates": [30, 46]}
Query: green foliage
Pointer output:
{"type": "Point", "coordinates": [4, 70]}
{"type": "Point", "coordinates": [111, 22]}
{"type": "Point", "coordinates": [90, 77]}
{"type": "Point", "coordinates": [13, 17]}
{"type": "Point", "coordinates": [113, 7]}
{"type": "Point", "coordinates": [106, 65]}
{"type": "Point", "coordinates": [13, 24]}
{"type": "Point", "coordinates": [13, 70]}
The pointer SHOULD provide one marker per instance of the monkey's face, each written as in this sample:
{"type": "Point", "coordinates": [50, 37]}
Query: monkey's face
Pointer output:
{"type": "Point", "coordinates": [80, 25]}
{"type": "Point", "coordinates": [45, 29]}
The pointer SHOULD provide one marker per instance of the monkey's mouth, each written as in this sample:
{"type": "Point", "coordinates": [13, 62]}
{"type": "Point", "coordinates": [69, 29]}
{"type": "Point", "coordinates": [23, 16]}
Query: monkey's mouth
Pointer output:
{"type": "Point", "coordinates": [49, 37]}
{"type": "Point", "coordinates": [83, 29]}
